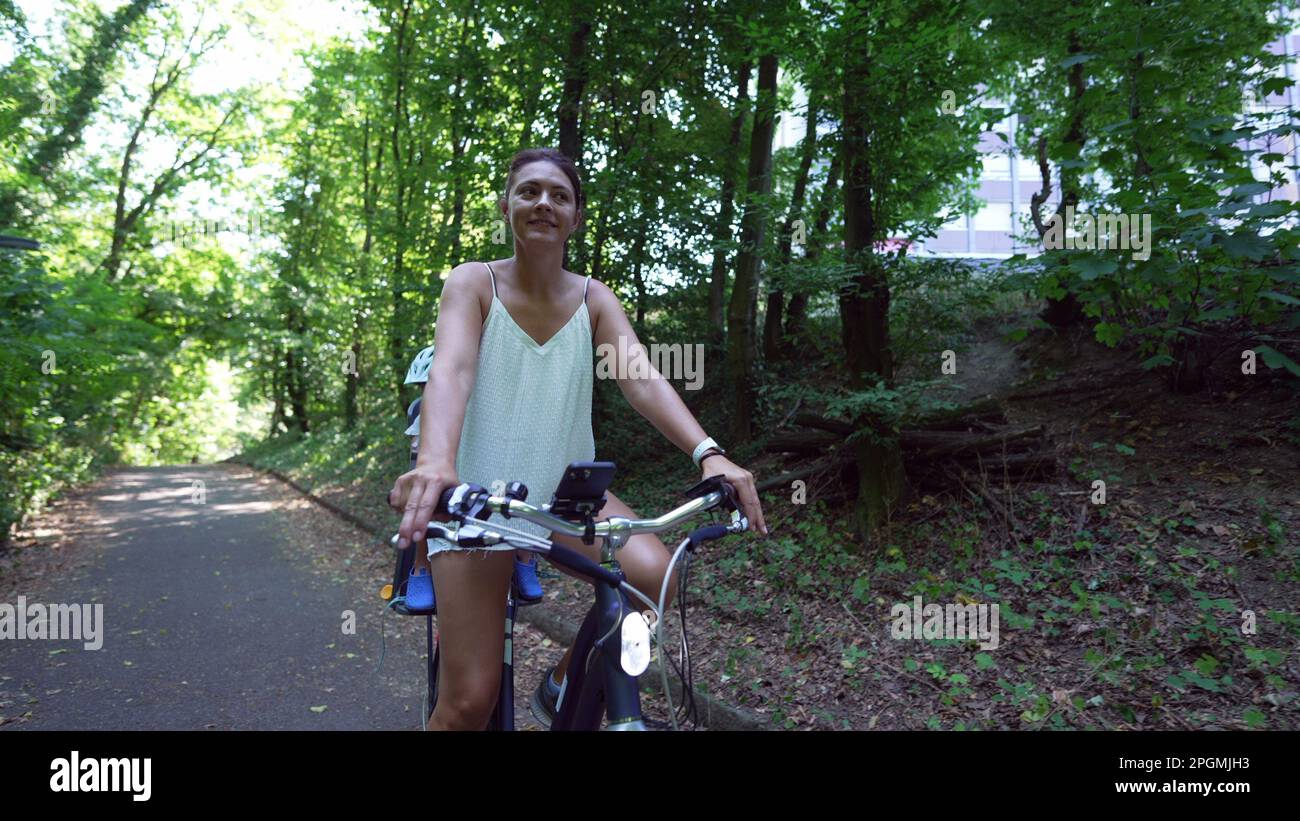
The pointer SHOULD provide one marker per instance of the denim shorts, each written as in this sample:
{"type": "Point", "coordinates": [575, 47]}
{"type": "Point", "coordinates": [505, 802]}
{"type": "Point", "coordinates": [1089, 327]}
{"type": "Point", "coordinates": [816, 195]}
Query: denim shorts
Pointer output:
{"type": "Point", "coordinates": [443, 546]}
{"type": "Point", "coordinates": [436, 545]}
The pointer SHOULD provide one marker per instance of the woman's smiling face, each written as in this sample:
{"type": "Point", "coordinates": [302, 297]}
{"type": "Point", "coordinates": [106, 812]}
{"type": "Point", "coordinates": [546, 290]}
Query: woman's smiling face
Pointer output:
{"type": "Point", "coordinates": [542, 205]}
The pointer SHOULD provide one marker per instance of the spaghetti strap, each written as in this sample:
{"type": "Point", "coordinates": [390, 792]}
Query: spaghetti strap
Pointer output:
{"type": "Point", "coordinates": [584, 289]}
{"type": "Point", "coordinates": [494, 278]}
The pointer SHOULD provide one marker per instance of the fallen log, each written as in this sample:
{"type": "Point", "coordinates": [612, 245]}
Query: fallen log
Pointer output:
{"type": "Point", "coordinates": [929, 443]}
{"type": "Point", "coordinates": [808, 441]}
{"type": "Point", "coordinates": [986, 410]}
{"type": "Point", "coordinates": [806, 472]}
{"type": "Point", "coordinates": [995, 465]}
{"type": "Point", "coordinates": [937, 444]}
{"type": "Point", "coordinates": [812, 420]}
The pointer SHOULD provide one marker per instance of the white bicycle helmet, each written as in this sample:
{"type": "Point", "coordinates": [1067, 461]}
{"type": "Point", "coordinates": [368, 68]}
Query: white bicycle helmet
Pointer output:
{"type": "Point", "coordinates": [418, 373]}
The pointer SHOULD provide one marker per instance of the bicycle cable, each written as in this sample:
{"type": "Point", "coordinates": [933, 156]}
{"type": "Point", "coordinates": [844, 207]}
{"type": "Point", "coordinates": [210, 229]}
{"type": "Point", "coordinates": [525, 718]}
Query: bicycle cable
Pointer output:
{"type": "Point", "coordinates": [684, 670]}
{"type": "Point", "coordinates": [681, 667]}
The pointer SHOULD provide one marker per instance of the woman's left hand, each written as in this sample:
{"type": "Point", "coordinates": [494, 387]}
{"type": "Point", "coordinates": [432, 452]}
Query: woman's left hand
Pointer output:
{"type": "Point", "coordinates": [743, 481]}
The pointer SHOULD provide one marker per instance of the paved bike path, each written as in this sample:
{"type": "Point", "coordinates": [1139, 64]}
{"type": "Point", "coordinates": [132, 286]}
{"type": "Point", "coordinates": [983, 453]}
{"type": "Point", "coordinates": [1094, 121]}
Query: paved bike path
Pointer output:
{"type": "Point", "coordinates": [211, 619]}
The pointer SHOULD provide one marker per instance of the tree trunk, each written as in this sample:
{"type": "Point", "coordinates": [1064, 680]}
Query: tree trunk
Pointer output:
{"type": "Point", "coordinates": [458, 117]}
{"type": "Point", "coordinates": [744, 292]}
{"type": "Point", "coordinates": [796, 322]}
{"type": "Point", "coordinates": [1068, 310]}
{"type": "Point", "coordinates": [125, 221]}
{"type": "Point", "coordinates": [297, 386]}
{"type": "Point", "coordinates": [369, 196]}
{"type": "Point", "coordinates": [772, 336]}
{"type": "Point", "coordinates": [570, 109]}
{"type": "Point", "coordinates": [722, 232]}
{"type": "Point", "coordinates": [864, 310]}
{"type": "Point", "coordinates": [396, 332]}
{"type": "Point", "coordinates": [88, 81]}
{"type": "Point", "coordinates": [638, 258]}
{"type": "Point", "coordinates": [648, 190]}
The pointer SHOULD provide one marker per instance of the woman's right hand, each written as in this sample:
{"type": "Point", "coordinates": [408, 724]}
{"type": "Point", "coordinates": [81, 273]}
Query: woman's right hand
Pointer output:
{"type": "Point", "coordinates": [414, 494]}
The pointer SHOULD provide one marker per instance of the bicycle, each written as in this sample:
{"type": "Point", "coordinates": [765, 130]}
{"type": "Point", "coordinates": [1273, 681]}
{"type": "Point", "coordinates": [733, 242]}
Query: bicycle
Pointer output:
{"type": "Point", "coordinates": [604, 673]}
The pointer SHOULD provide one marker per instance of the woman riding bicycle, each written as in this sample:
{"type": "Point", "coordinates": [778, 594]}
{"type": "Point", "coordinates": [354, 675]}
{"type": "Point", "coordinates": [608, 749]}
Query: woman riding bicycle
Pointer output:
{"type": "Point", "coordinates": [498, 405]}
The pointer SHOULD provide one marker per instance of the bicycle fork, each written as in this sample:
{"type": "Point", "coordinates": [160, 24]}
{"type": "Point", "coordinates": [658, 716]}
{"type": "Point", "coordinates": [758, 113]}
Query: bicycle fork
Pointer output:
{"type": "Point", "coordinates": [597, 652]}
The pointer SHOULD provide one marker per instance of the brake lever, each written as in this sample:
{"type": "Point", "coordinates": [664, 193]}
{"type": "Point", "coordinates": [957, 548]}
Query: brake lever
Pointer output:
{"type": "Point", "coordinates": [438, 530]}
{"type": "Point", "coordinates": [466, 534]}
{"type": "Point", "coordinates": [738, 522]}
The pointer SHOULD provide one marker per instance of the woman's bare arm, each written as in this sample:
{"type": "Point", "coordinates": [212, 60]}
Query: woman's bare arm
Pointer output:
{"type": "Point", "coordinates": [446, 395]}
{"type": "Point", "coordinates": [655, 398]}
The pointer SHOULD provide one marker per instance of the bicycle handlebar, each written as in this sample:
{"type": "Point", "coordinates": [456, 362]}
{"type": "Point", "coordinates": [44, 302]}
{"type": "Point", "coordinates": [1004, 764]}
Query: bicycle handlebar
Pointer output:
{"type": "Point", "coordinates": [468, 500]}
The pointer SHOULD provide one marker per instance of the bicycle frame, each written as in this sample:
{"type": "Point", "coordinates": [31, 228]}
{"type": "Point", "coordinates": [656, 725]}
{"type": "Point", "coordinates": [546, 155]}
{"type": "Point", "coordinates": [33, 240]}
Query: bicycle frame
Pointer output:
{"type": "Point", "coordinates": [595, 678]}
{"type": "Point", "coordinates": [582, 699]}
{"type": "Point", "coordinates": [596, 653]}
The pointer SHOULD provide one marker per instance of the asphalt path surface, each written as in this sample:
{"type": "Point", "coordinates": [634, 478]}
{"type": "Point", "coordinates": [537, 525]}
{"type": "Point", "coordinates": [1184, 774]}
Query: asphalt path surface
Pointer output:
{"type": "Point", "coordinates": [214, 617]}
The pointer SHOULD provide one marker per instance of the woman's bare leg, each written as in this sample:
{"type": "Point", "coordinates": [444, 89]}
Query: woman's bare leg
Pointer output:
{"type": "Point", "coordinates": [472, 587]}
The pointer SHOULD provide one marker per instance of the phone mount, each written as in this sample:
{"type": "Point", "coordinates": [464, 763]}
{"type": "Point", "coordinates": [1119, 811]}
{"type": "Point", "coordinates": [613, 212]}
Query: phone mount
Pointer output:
{"type": "Point", "coordinates": [579, 510]}
{"type": "Point", "coordinates": [576, 510]}
{"type": "Point", "coordinates": [580, 495]}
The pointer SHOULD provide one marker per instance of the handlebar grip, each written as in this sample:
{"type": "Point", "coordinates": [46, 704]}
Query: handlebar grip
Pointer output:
{"type": "Point", "coordinates": [707, 534]}
{"type": "Point", "coordinates": [575, 561]}
{"type": "Point", "coordinates": [444, 500]}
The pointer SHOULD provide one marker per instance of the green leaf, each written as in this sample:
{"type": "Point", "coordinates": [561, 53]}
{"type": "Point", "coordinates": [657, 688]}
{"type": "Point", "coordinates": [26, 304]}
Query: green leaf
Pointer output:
{"type": "Point", "coordinates": [1244, 245]}
{"type": "Point", "coordinates": [1285, 299]}
{"type": "Point", "coordinates": [1075, 59]}
{"type": "Point", "coordinates": [1250, 189]}
{"type": "Point", "coordinates": [1275, 359]}
{"type": "Point", "coordinates": [861, 588]}
{"type": "Point", "coordinates": [1254, 717]}
{"type": "Point", "coordinates": [1283, 273]}
{"type": "Point", "coordinates": [983, 661]}
{"type": "Point", "coordinates": [1108, 333]}
{"type": "Point", "coordinates": [1156, 361]}
{"type": "Point", "coordinates": [1090, 268]}
{"type": "Point", "coordinates": [1265, 210]}
{"type": "Point", "coordinates": [1206, 664]}
{"type": "Point", "coordinates": [1275, 85]}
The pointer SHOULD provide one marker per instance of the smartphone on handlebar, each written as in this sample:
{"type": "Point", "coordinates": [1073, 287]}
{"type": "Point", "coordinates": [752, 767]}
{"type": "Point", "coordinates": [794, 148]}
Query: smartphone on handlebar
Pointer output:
{"type": "Point", "coordinates": [581, 491]}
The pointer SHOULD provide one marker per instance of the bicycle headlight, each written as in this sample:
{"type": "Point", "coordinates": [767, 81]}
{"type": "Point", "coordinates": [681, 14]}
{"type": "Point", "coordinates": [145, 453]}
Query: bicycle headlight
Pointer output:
{"type": "Point", "coordinates": [635, 655]}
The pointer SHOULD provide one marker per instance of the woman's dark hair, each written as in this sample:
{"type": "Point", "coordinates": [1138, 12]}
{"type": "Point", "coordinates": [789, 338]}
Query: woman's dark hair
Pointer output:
{"type": "Point", "coordinates": [550, 155]}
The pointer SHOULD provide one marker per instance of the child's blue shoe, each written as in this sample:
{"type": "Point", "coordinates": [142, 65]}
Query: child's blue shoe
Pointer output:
{"type": "Point", "coordinates": [419, 590]}
{"type": "Point", "coordinates": [526, 582]}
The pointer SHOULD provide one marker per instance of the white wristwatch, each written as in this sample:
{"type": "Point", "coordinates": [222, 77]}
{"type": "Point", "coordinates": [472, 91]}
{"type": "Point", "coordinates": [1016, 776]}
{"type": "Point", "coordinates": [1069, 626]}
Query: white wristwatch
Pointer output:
{"type": "Point", "coordinates": [703, 447]}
